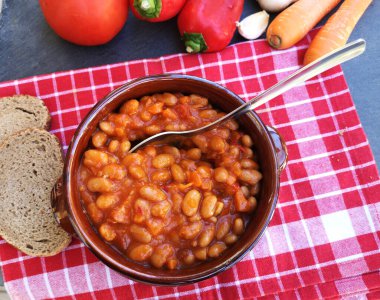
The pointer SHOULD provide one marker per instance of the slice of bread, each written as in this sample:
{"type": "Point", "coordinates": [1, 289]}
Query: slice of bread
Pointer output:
{"type": "Point", "coordinates": [21, 112]}
{"type": "Point", "coordinates": [30, 164]}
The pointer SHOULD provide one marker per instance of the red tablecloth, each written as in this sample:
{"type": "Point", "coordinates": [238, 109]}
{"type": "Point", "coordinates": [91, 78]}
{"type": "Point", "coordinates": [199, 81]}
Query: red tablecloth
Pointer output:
{"type": "Point", "coordinates": [323, 240]}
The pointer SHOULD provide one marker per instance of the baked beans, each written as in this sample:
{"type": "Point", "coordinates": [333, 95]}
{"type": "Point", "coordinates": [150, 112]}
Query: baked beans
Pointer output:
{"type": "Point", "coordinates": [169, 206]}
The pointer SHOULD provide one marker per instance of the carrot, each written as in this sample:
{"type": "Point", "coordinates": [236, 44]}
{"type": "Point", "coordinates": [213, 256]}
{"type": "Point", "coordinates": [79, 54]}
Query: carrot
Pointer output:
{"type": "Point", "coordinates": [291, 25]}
{"type": "Point", "coordinates": [337, 30]}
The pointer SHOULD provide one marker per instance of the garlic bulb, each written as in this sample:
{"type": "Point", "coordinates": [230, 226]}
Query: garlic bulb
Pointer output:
{"type": "Point", "coordinates": [275, 5]}
{"type": "Point", "coordinates": [254, 25]}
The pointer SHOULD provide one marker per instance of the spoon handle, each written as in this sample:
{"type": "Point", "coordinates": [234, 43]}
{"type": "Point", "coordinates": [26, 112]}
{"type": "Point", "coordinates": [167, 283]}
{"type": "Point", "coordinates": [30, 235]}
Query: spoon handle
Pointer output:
{"type": "Point", "coordinates": [326, 62]}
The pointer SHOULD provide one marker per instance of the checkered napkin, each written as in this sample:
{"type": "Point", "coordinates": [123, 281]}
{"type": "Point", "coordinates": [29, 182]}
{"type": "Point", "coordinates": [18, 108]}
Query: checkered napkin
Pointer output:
{"type": "Point", "coordinates": [323, 240]}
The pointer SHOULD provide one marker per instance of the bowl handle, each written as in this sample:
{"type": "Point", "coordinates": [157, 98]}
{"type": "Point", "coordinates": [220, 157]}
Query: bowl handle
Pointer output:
{"type": "Point", "coordinates": [58, 204]}
{"type": "Point", "coordinates": [280, 146]}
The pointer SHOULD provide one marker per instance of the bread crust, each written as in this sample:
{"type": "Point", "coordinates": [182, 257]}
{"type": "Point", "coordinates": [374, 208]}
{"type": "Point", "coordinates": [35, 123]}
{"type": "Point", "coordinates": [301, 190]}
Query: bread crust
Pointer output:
{"type": "Point", "coordinates": [64, 237]}
{"type": "Point", "coordinates": [15, 99]}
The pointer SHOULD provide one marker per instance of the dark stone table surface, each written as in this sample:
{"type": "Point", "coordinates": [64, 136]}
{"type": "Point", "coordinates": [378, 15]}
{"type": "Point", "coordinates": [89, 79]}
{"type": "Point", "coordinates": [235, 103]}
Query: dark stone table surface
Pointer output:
{"type": "Point", "coordinates": [29, 47]}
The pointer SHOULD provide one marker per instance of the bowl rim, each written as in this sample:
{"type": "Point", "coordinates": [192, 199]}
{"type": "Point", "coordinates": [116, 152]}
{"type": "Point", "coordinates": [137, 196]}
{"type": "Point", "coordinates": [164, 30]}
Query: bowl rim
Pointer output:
{"type": "Point", "coordinates": [69, 193]}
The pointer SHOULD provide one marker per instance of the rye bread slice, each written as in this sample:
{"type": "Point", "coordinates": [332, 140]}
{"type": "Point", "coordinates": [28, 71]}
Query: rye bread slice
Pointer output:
{"type": "Point", "coordinates": [30, 164]}
{"type": "Point", "coordinates": [21, 112]}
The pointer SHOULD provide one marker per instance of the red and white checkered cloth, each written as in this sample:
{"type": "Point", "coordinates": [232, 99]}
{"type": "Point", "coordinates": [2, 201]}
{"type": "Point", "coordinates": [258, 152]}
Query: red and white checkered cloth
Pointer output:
{"type": "Point", "coordinates": [323, 240]}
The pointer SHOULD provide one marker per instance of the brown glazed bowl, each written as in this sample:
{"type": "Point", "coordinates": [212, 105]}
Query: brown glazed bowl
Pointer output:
{"type": "Point", "coordinates": [272, 157]}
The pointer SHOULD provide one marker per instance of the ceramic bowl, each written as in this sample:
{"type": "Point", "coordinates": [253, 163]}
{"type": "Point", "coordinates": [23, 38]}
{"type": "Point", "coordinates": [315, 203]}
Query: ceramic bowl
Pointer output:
{"type": "Point", "coordinates": [272, 158]}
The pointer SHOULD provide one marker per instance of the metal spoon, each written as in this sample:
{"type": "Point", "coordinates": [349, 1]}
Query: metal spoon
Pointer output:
{"type": "Point", "coordinates": [326, 62]}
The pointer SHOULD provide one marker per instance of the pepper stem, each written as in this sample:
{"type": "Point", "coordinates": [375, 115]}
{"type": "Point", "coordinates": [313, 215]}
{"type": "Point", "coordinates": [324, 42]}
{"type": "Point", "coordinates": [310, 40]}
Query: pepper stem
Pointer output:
{"type": "Point", "coordinates": [194, 42]}
{"type": "Point", "coordinates": [146, 4]}
{"type": "Point", "coordinates": [148, 8]}
{"type": "Point", "coordinates": [189, 49]}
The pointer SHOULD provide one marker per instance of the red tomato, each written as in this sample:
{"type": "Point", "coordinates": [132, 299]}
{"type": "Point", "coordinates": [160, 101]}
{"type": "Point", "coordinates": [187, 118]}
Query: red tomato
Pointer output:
{"type": "Point", "coordinates": [85, 22]}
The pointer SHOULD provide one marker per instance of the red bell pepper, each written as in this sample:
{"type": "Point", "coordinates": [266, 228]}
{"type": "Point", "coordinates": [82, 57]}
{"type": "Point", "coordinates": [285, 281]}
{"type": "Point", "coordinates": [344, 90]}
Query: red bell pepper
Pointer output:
{"type": "Point", "coordinates": [156, 10]}
{"type": "Point", "coordinates": [208, 25]}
